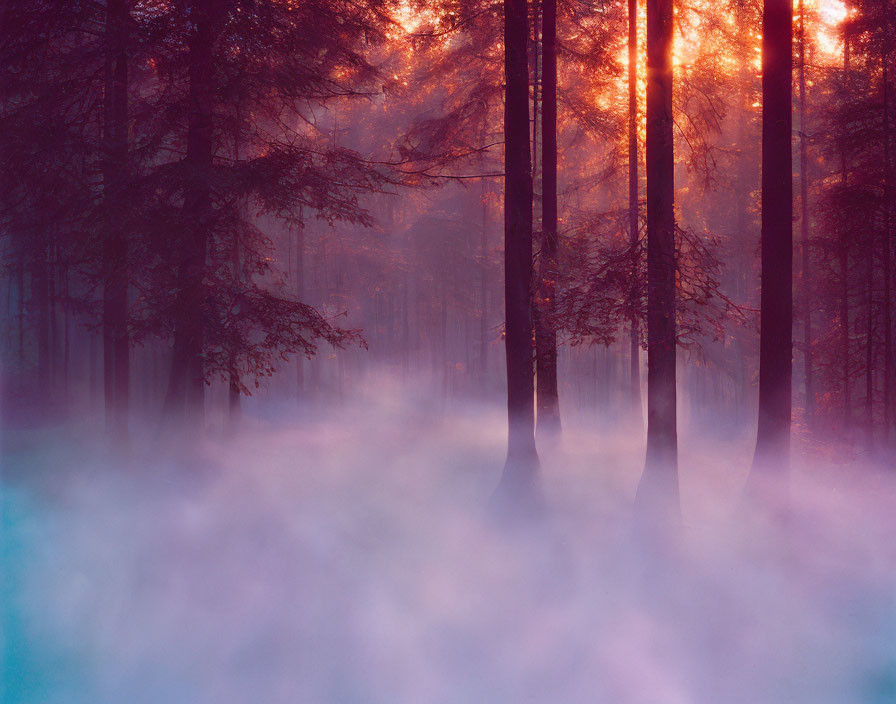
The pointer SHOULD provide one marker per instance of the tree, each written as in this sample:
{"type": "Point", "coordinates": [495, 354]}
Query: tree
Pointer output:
{"type": "Point", "coordinates": [545, 319]}
{"type": "Point", "coordinates": [520, 471]}
{"type": "Point", "coordinates": [186, 382]}
{"type": "Point", "coordinates": [248, 78]}
{"type": "Point", "coordinates": [116, 342]}
{"type": "Point", "coordinates": [658, 488]}
{"type": "Point", "coordinates": [633, 219]}
{"type": "Point", "coordinates": [776, 303]}
{"type": "Point", "coordinates": [804, 223]}
{"type": "Point", "coordinates": [51, 102]}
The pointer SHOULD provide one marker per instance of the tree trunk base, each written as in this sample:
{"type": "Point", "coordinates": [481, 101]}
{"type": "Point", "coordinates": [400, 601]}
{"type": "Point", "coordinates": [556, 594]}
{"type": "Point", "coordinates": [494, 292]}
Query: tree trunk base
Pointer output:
{"type": "Point", "coordinates": [519, 495]}
{"type": "Point", "coordinates": [657, 506]}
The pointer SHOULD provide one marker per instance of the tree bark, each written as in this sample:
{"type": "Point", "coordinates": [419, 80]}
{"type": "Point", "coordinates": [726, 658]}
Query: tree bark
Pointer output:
{"type": "Point", "coordinates": [300, 294]}
{"type": "Point", "coordinates": [234, 392]}
{"type": "Point", "coordinates": [116, 342]}
{"type": "Point", "coordinates": [888, 320]}
{"type": "Point", "coordinates": [804, 227]}
{"type": "Point", "coordinates": [658, 488]}
{"type": "Point", "coordinates": [40, 298]}
{"type": "Point", "coordinates": [843, 260]}
{"type": "Point", "coordinates": [186, 388]}
{"type": "Point", "coordinates": [869, 347]}
{"type": "Point", "coordinates": [20, 287]}
{"type": "Point", "coordinates": [776, 301]}
{"type": "Point", "coordinates": [520, 471]}
{"type": "Point", "coordinates": [633, 229]}
{"type": "Point", "coordinates": [545, 333]}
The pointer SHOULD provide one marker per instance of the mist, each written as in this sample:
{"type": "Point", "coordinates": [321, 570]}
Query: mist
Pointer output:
{"type": "Point", "coordinates": [352, 556]}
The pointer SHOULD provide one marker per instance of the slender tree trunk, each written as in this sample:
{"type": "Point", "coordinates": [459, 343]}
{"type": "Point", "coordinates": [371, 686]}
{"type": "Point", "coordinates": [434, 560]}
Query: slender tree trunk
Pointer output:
{"type": "Point", "coordinates": [536, 101]}
{"type": "Point", "coordinates": [300, 295]}
{"type": "Point", "coordinates": [633, 229]}
{"type": "Point", "coordinates": [658, 490]}
{"type": "Point", "coordinates": [545, 331]}
{"type": "Point", "coordinates": [186, 386]}
{"type": "Point", "coordinates": [234, 395]}
{"type": "Point", "coordinates": [869, 347]}
{"type": "Point", "coordinates": [52, 296]}
{"type": "Point", "coordinates": [776, 303]}
{"type": "Point", "coordinates": [66, 334]}
{"type": "Point", "coordinates": [41, 302]}
{"type": "Point", "coordinates": [888, 320]}
{"type": "Point", "coordinates": [844, 331]}
{"type": "Point", "coordinates": [521, 469]}
{"type": "Point", "coordinates": [116, 343]}
{"type": "Point", "coordinates": [483, 284]}
{"type": "Point", "coordinates": [746, 163]}
{"type": "Point", "coordinates": [843, 260]}
{"type": "Point", "coordinates": [20, 286]}
{"type": "Point", "coordinates": [93, 353]}
{"type": "Point", "coordinates": [804, 227]}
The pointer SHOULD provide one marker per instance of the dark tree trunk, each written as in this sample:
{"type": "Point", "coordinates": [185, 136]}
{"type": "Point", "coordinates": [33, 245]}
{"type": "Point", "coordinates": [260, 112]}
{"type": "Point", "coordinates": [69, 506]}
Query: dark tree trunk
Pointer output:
{"type": "Point", "coordinates": [40, 290]}
{"type": "Point", "coordinates": [66, 333]}
{"type": "Point", "coordinates": [116, 343]}
{"type": "Point", "coordinates": [804, 227]}
{"type": "Point", "coordinates": [843, 257]}
{"type": "Point", "coordinates": [633, 229]}
{"type": "Point", "coordinates": [776, 302]}
{"type": "Point", "coordinates": [658, 489]}
{"type": "Point", "coordinates": [888, 324]}
{"type": "Point", "coordinates": [520, 471]}
{"type": "Point", "coordinates": [545, 332]}
{"type": "Point", "coordinates": [300, 295]}
{"type": "Point", "coordinates": [185, 397]}
{"type": "Point", "coordinates": [869, 347]}
{"type": "Point", "coordinates": [235, 393]}
{"type": "Point", "coordinates": [52, 295]}
{"type": "Point", "coordinates": [20, 286]}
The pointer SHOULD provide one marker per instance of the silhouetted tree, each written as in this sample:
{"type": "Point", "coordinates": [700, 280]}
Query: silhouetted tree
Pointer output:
{"type": "Point", "coordinates": [545, 331]}
{"type": "Point", "coordinates": [520, 472]}
{"type": "Point", "coordinates": [658, 489]}
{"type": "Point", "coordinates": [776, 314]}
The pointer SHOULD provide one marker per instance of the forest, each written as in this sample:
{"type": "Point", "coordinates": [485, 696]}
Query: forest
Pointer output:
{"type": "Point", "coordinates": [448, 351]}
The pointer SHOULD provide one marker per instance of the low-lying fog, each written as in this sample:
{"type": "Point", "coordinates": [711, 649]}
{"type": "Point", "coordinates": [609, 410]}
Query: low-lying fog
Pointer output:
{"type": "Point", "coordinates": [349, 556]}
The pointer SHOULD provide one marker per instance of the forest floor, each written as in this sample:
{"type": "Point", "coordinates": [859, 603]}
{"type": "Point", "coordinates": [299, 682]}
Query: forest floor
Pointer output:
{"type": "Point", "coordinates": [351, 558]}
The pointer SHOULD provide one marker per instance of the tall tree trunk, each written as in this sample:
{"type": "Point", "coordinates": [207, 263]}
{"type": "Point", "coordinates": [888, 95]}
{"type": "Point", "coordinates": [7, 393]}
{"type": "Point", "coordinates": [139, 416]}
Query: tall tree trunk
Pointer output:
{"type": "Point", "coordinates": [521, 469]}
{"type": "Point", "coordinates": [20, 287]}
{"type": "Point", "coordinates": [52, 296]}
{"type": "Point", "coordinates": [66, 333]}
{"type": "Point", "coordinates": [633, 229]}
{"type": "Point", "coordinates": [804, 227]}
{"type": "Point", "coordinates": [843, 260]}
{"type": "Point", "coordinates": [234, 405]}
{"type": "Point", "coordinates": [483, 283]}
{"type": "Point", "coordinates": [234, 396]}
{"type": "Point", "coordinates": [869, 346]}
{"type": "Point", "coordinates": [535, 57]}
{"type": "Point", "coordinates": [300, 295]}
{"type": "Point", "coordinates": [116, 343]}
{"type": "Point", "coordinates": [888, 320]}
{"type": "Point", "coordinates": [776, 303]}
{"type": "Point", "coordinates": [545, 332]}
{"type": "Point", "coordinates": [40, 297]}
{"type": "Point", "coordinates": [658, 488]}
{"type": "Point", "coordinates": [186, 387]}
